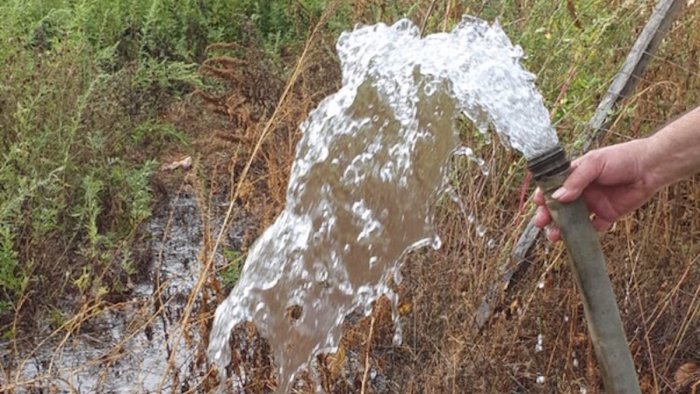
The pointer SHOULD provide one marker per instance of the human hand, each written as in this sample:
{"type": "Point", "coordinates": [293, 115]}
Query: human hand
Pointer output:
{"type": "Point", "coordinates": [613, 181]}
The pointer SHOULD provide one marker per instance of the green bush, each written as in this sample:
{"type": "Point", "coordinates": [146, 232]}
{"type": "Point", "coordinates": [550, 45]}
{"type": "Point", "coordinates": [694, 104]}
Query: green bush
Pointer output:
{"type": "Point", "coordinates": [81, 87]}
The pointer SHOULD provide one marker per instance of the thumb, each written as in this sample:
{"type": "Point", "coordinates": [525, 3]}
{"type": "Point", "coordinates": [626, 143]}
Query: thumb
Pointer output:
{"type": "Point", "coordinates": [584, 171]}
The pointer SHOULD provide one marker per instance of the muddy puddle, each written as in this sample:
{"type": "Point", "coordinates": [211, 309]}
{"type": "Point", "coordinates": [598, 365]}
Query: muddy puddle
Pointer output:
{"type": "Point", "coordinates": [136, 346]}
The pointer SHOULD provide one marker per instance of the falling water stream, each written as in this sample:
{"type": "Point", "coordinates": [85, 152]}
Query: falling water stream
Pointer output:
{"type": "Point", "coordinates": [368, 171]}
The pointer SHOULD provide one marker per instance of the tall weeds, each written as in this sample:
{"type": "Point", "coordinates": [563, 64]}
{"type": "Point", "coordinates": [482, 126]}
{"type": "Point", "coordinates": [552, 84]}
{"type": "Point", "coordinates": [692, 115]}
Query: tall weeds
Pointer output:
{"type": "Point", "coordinates": [81, 92]}
{"type": "Point", "coordinates": [94, 94]}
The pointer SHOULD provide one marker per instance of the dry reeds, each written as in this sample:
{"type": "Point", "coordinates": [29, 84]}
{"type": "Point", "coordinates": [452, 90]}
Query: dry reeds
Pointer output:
{"type": "Point", "coordinates": [537, 340]}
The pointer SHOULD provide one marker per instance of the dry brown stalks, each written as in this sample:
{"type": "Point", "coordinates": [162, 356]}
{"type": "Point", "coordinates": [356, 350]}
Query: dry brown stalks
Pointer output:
{"type": "Point", "coordinates": [251, 91]}
{"type": "Point", "coordinates": [652, 260]}
{"type": "Point", "coordinates": [210, 249]}
{"type": "Point", "coordinates": [653, 254]}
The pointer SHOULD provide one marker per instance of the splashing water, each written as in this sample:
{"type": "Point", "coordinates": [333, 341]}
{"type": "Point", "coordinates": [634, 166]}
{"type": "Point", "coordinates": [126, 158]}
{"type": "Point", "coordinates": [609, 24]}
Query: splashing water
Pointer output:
{"type": "Point", "coordinates": [368, 170]}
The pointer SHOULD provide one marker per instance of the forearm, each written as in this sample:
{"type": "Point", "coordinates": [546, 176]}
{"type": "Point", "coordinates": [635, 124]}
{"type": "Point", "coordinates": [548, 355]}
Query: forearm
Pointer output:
{"type": "Point", "coordinates": [674, 151]}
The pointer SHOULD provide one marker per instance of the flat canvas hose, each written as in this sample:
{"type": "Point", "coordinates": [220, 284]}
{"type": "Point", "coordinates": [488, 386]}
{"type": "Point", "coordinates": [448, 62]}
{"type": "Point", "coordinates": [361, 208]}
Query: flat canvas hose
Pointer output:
{"type": "Point", "coordinates": [591, 276]}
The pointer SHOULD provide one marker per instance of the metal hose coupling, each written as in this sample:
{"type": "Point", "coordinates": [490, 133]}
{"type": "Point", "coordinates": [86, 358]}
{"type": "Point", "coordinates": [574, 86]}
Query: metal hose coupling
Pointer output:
{"type": "Point", "coordinates": [590, 273]}
{"type": "Point", "coordinates": [551, 163]}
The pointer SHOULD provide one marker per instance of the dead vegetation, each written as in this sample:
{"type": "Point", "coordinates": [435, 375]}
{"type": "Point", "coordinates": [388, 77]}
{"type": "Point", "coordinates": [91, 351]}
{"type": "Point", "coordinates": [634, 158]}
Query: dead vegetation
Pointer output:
{"type": "Point", "coordinates": [537, 342]}
{"type": "Point", "coordinates": [244, 134]}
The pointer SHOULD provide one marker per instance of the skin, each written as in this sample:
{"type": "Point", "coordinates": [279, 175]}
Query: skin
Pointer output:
{"type": "Point", "coordinates": [616, 180]}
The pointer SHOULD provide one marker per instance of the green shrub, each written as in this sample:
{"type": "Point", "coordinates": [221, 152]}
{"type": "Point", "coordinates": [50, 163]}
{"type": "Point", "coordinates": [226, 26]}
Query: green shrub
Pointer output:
{"type": "Point", "coordinates": [81, 87]}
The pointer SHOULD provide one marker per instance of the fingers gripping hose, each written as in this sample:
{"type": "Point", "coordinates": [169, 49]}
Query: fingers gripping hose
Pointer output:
{"type": "Point", "coordinates": [590, 273]}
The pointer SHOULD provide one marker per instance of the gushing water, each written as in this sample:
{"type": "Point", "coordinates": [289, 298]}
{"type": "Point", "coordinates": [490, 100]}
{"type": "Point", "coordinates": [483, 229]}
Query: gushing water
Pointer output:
{"type": "Point", "coordinates": [368, 171]}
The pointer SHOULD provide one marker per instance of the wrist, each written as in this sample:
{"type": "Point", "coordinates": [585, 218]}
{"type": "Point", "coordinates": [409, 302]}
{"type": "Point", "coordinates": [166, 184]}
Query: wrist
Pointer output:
{"type": "Point", "coordinates": [654, 175]}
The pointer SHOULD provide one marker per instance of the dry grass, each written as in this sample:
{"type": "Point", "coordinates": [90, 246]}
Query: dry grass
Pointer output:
{"type": "Point", "coordinates": [653, 259]}
{"type": "Point", "coordinates": [653, 262]}
{"type": "Point", "coordinates": [248, 134]}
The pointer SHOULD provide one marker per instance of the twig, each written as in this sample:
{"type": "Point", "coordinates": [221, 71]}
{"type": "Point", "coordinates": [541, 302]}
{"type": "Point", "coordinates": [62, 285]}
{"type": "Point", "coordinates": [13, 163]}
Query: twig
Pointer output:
{"type": "Point", "coordinates": [268, 127]}
{"type": "Point", "coordinates": [369, 345]}
{"type": "Point", "coordinates": [447, 16]}
{"type": "Point", "coordinates": [427, 16]}
{"type": "Point", "coordinates": [571, 7]}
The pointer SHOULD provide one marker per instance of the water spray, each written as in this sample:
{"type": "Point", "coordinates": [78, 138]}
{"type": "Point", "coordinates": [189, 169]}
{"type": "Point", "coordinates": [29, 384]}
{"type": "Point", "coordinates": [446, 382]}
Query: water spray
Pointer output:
{"type": "Point", "coordinates": [550, 169]}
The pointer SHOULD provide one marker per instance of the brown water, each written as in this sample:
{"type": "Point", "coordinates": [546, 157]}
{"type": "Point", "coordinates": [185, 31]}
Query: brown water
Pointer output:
{"type": "Point", "coordinates": [368, 171]}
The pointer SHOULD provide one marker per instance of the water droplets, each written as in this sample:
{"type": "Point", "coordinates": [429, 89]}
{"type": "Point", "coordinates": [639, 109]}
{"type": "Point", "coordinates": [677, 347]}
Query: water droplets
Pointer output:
{"type": "Point", "coordinates": [539, 345]}
{"type": "Point", "coordinates": [436, 244]}
{"type": "Point", "coordinates": [469, 153]}
{"type": "Point", "coordinates": [373, 261]}
{"type": "Point", "coordinates": [464, 151]}
{"type": "Point", "coordinates": [491, 243]}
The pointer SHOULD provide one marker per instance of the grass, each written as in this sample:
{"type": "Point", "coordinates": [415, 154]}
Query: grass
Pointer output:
{"type": "Point", "coordinates": [83, 87]}
{"type": "Point", "coordinates": [650, 253]}
{"type": "Point", "coordinates": [95, 95]}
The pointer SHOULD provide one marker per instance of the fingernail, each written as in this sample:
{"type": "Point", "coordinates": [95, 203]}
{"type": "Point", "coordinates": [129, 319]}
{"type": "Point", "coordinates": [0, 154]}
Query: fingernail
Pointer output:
{"type": "Point", "coordinates": [559, 193]}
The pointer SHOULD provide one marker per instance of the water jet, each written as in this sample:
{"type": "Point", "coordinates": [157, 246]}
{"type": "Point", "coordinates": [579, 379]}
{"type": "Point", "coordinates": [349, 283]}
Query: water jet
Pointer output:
{"type": "Point", "coordinates": [371, 165]}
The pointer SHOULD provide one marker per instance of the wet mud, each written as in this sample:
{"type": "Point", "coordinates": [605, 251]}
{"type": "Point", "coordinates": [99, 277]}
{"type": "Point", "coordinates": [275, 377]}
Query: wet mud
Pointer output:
{"type": "Point", "coordinates": [136, 346]}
